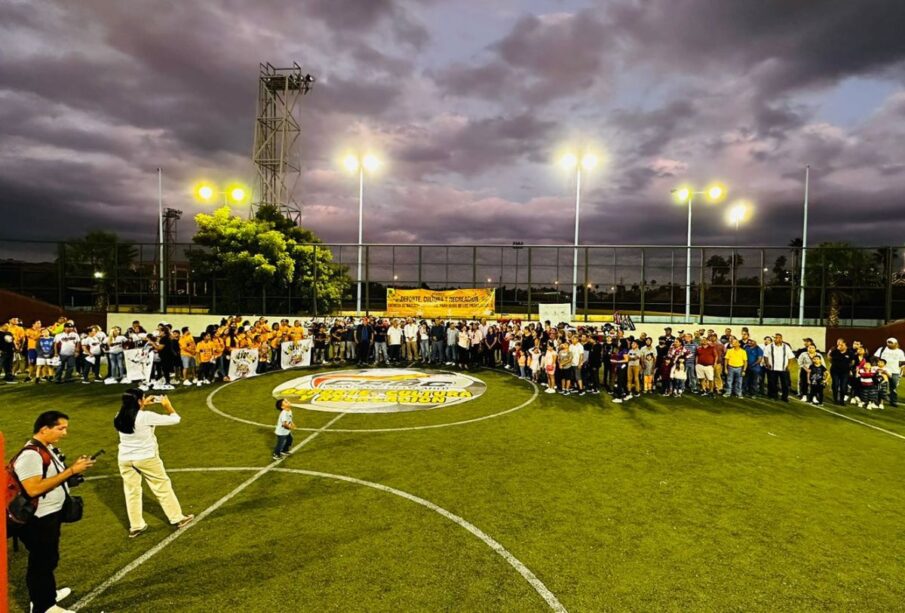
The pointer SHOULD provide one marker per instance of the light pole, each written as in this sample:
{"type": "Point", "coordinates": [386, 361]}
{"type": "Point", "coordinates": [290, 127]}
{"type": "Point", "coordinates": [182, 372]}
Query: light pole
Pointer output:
{"type": "Point", "coordinates": [234, 193]}
{"type": "Point", "coordinates": [355, 163]}
{"type": "Point", "coordinates": [160, 236]}
{"type": "Point", "coordinates": [714, 193]}
{"type": "Point", "coordinates": [571, 161]}
{"type": "Point", "coordinates": [804, 246]}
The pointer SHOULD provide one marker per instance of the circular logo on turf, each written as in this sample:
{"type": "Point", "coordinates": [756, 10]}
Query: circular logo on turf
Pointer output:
{"type": "Point", "coordinates": [379, 390]}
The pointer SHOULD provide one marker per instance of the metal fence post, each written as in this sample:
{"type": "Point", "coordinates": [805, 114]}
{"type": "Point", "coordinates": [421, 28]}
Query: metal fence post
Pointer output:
{"type": "Point", "coordinates": [530, 249]}
{"type": "Point", "coordinates": [586, 258]}
{"type": "Point", "coordinates": [368, 276]}
{"type": "Point", "coordinates": [701, 288]}
{"type": "Point", "coordinates": [887, 315]}
{"type": "Point", "coordinates": [643, 284]}
{"type": "Point", "coordinates": [763, 275]}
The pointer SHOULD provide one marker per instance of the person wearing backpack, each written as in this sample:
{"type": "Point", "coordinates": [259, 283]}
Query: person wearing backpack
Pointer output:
{"type": "Point", "coordinates": [39, 472]}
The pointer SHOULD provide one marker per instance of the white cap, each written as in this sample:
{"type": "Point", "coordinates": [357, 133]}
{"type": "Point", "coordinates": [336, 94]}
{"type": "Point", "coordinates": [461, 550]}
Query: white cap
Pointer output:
{"type": "Point", "coordinates": [892, 340]}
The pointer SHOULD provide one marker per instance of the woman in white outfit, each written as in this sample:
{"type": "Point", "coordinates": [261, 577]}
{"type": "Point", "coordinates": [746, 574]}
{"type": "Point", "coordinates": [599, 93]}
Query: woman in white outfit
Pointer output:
{"type": "Point", "coordinates": [139, 458]}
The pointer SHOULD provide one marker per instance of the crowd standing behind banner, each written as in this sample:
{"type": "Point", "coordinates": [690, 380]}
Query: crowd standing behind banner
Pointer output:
{"type": "Point", "coordinates": [560, 358]}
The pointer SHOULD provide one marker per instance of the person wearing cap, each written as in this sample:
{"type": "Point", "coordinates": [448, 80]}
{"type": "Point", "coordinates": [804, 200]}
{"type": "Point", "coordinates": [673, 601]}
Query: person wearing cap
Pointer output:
{"type": "Point", "coordinates": [895, 359]}
{"type": "Point", "coordinates": [67, 343]}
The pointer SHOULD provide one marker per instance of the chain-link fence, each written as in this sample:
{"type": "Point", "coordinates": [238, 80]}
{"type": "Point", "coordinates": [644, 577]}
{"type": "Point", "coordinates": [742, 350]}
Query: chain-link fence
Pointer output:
{"type": "Point", "coordinates": [843, 285]}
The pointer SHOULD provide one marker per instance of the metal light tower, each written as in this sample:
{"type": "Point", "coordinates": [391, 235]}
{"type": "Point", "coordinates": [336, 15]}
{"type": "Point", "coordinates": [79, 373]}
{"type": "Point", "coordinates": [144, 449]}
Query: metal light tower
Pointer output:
{"type": "Point", "coordinates": [275, 154]}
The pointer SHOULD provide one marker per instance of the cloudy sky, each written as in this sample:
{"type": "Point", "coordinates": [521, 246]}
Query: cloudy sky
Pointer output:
{"type": "Point", "coordinates": [468, 103]}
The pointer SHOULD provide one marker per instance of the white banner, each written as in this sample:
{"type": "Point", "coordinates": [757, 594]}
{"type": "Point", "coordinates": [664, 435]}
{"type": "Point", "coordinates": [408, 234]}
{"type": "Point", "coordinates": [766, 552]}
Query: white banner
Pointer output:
{"type": "Point", "coordinates": [295, 355]}
{"type": "Point", "coordinates": [554, 313]}
{"type": "Point", "coordinates": [138, 363]}
{"type": "Point", "coordinates": [243, 363]}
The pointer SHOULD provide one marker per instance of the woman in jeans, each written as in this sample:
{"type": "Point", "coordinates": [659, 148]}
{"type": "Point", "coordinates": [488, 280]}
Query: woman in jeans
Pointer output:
{"type": "Point", "coordinates": [139, 458]}
{"type": "Point", "coordinates": [115, 356]}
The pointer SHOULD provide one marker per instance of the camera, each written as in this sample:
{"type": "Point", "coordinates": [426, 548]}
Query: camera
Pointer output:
{"type": "Point", "coordinates": [75, 480]}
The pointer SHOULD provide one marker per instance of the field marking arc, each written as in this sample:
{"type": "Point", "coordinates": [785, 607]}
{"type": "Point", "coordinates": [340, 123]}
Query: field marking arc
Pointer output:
{"type": "Point", "coordinates": [100, 589]}
{"type": "Point", "coordinates": [210, 405]}
{"type": "Point", "coordinates": [542, 590]}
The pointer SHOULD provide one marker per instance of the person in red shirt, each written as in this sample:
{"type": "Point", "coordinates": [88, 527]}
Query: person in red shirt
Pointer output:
{"type": "Point", "coordinates": [706, 358]}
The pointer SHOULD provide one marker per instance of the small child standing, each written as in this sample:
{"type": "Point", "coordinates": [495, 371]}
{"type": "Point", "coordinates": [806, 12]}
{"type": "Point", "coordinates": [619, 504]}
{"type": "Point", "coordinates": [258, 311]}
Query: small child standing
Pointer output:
{"type": "Point", "coordinates": [882, 382]}
{"type": "Point", "coordinates": [284, 429]}
{"type": "Point", "coordinates": [817, 379]}
{"type": "Point", "coordinates": [678, 376]}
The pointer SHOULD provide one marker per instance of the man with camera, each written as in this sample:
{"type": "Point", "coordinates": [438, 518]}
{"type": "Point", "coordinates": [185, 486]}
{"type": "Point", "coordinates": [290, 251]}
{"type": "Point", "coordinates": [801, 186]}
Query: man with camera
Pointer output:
{"type": "Point", "coordinates": [43, 475]}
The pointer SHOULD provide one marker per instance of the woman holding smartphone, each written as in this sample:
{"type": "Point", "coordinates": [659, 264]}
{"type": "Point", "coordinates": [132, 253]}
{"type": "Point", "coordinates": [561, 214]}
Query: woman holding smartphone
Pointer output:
{"type": "Point", "coordinates": [139, 458]}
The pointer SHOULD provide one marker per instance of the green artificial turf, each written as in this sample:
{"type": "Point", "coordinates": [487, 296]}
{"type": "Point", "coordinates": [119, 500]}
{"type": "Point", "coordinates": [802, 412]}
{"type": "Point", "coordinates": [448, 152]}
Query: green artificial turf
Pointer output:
{"type": "Point", "coordinates": [657, 504]}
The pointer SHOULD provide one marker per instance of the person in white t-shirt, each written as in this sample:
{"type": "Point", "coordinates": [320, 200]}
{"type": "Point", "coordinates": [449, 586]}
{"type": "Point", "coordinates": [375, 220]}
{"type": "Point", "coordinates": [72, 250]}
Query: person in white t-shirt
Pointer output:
{"type": "Point", "coordinates": [40, 470]}
{"type": "Point", "coordinates": [411, 339]}
{"type": "Point", "coordinates": [115, 345]}
{"type": "Point", "coordinates": [895, 360]}
{"type": "Point", "coordinates": [139, 458]}
{"type": "Point", "coordinates": [394, 342]}
{"type": "Point", "coordinates": [67, 344]}
{"type": "Point", "coordinates": [92, 349]}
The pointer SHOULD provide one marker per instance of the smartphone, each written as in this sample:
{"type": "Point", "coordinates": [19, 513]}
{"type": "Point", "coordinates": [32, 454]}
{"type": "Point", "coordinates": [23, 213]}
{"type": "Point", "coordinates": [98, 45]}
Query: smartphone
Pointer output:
{"type": "Point", "coordinates": [97, 454]}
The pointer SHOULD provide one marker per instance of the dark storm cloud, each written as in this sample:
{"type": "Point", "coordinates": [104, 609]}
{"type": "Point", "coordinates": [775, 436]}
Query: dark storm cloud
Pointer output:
{"type": "Point", "coordinates": [94, 95]}
{"type": "Point", "coordinates": [539, 59]}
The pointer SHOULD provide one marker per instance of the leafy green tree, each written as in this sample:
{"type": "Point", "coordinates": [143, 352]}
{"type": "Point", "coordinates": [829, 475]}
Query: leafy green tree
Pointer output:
{"type": "Point", "coordinates": [840, 267]}
{"type": "Point", "coordinates": [95, 261]}
{"type": "Point", "coordinates": [267, 255]}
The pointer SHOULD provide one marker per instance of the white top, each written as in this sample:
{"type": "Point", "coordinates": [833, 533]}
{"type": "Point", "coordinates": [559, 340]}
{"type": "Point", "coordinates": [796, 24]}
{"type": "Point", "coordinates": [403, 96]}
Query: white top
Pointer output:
{"type": "Point", "coordinates": [68, 342]}
{"type": "Point", "coordinates": [411, 332]}
{"type": "Point", "coordinates": [92, 345]}
{"type": "Point", "coordinates": [142, 444]}
{"type": "Point", "coordinates": [577, 351]}
{"type": "Point", "coordinates": [894, 358]}
{"type": "Point", "coordinates": [284, 418]}
{"type": "Point", "coordinates": [394, 335]}
{"type": "Point", "coordinates": [30, 465]}
{"type": "Point", "coordinates": [115, 343]}
{"type": "Point", "coordinates": [779, 356]}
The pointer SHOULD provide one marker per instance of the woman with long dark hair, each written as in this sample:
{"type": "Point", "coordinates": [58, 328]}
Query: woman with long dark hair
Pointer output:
{"type": "Point", "coordinates": [139, 458]}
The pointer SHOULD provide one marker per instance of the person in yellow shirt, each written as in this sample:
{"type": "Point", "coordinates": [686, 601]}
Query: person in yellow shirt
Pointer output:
{"type": "Point", "coordinates": [187, 350]}
{"type": "Point", "coordinates": [31, 345]}
{"type": "Point", "coordinates": [20, 363]}
{"type": "Point", "coordinates": [205, 350]}
{"type": "Point", "coordinates": [297, 332]}
{"type": "Point", "coordinates": [736, 363]}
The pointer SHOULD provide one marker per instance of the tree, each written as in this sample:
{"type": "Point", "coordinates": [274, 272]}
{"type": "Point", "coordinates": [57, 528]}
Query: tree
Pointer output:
{"type": "Point", "coordinates": [839, 268]}
{"type": "Point", "coordinates": [267, 255]}
{"type": "Point", "coordinates": [96, 260]}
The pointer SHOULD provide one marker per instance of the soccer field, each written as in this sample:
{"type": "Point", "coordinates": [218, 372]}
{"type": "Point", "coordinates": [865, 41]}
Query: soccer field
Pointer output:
{"type": "Point", "coordinates": [514, 501]}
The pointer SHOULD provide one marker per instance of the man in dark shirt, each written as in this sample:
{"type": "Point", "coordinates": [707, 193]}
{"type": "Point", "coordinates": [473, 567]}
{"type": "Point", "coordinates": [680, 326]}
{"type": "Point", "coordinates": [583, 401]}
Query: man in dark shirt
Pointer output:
{"type": "Point", "coordinates": [438, 341]}
{"type": "Point", "coordinates": [364, 338]}
{"type": "Point", "coordinates": [595, 359]}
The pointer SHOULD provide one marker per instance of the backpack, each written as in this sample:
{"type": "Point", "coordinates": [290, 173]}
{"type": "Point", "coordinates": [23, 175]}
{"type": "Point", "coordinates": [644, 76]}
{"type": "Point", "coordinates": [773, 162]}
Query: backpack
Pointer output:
{"type": "Point", "coordinates": [20, 507]}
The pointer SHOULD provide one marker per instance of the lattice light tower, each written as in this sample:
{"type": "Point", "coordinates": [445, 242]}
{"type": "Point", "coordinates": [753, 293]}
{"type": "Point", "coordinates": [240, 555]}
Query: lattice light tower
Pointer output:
{"type": "Point", "coordinates": [275, 155]}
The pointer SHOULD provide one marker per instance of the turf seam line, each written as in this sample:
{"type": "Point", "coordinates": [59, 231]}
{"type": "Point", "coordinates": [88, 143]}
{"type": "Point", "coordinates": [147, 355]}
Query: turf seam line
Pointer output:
{"type": "Point", "coordinates": [88, 598]}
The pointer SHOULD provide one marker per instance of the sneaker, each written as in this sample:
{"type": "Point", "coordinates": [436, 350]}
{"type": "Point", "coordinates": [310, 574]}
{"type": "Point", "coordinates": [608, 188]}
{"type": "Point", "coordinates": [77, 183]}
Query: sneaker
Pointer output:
{"type": "Point", "coordinates": [617, 400]}
{"type": "Point", "coordinates": [814, 400]}
{"type": "Point", "coordinates": [871, 406]}
{"type": "Point", "coordinates": [804, 398]}
{"type": "Point", "coordinates": [86, 382]}
{"type": "Point", "coordinates": [143, 387]}
{"type": "Point", "coordinates": [198, 383]}
{"type": "Point", "coordinates": [854, 399]}
{"type": "Point", "coordinates": [880, 406]}
{"type": "Point", "coordinates": [549, 390]}
{"type": "Point", "coordinates": [276, 457]}
{"type": "Point", "coordinates": [166, 387]}
{"type": "Point", "coordinates": [846, 399]}
{"type": "Point", "coordinates": [185, 521]}
{"type": "Point", "coordinates": [59, 609]}
{"type": "Point", "coordinates": [186, 382]}
{"type": "Point", "coordinates": [134, 533]}
{"type": "Point", "coordinates": [581, 393]}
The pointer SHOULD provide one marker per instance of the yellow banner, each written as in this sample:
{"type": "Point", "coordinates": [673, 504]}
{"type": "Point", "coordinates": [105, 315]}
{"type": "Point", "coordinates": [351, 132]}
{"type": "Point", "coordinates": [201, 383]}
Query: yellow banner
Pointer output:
{"type": "Point", "coordinates": [455, 303]}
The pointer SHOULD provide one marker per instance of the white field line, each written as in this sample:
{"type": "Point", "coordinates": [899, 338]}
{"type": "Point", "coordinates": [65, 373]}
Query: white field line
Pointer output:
{"type": "Point", "coordinates": [100, 589]}
{"type": "Point", "coordinates": [504, 553]}
{"type": "Point", "coordinates": [213, 407]}
{"type": "Point", "coordinates": [857, 421]}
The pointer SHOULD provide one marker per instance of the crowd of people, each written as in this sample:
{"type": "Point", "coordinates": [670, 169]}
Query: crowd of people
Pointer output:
{"type": "Point", "coordinates": [568, 360]}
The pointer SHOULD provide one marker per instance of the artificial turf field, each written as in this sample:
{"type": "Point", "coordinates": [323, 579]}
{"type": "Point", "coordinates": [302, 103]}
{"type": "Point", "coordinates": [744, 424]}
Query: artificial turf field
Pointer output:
{"type": "Point", "coordinates": [690, 504]}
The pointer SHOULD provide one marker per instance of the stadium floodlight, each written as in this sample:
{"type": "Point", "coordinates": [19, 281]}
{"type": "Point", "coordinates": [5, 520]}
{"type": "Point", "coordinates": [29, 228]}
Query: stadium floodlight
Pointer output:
{"type": "Point", "coordinates": [576, 161]}
{"type": "Point", "coordinates": [207, 193]}
{"type": "Point", "coordinates": [360, 163]}
{"type": "Point", "coordinates": [98, 274]}
{"type": "Point", "coordinates": [204, 191]}
{"type": "Point", "coordinates": [685, 195]}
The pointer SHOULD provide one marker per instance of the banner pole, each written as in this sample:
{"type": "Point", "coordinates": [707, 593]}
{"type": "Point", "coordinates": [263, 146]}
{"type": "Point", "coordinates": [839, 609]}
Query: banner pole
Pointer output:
{"type": "Point", "coordinates": [4, 574]}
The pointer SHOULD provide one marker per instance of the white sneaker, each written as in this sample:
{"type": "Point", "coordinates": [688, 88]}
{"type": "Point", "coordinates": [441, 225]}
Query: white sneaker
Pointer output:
{"type": "Point", "coordinates": [143, 387]}
{"type": "Point", "coordinates": [880, 406]}
{"type": "Point", "coordinates": [62, 594]}
{"type": "Point", "coordinates": [846, 399]}
{"type": "Point", "coordinates": [871, 406]}
{"type": "Point", "coordinates": [814, 400]}
{"type": "Point", "coordinates": [166, 387]}
{"type": "Point", "coordinates": [186, 383]}
{"type": "Point", "coordinates": [549, 390]}
{"type": "Point", "coordinates": [109, 381]}
{"type": "Point", "coordinates": [59, 609]}
{"type": "Point", "coordinates": [803, 398]}
{"type": "Point", "coordinates": [617, 400]}
{"type": "Point", "coordinates": [198, 383]}
{"type": "Point", "coordinates": [854, 400]}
